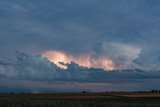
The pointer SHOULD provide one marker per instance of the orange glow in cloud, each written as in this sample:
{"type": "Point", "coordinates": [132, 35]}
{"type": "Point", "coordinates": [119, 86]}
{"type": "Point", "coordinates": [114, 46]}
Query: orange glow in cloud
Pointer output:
{"type": "Point", "coordinates": [86, 60]}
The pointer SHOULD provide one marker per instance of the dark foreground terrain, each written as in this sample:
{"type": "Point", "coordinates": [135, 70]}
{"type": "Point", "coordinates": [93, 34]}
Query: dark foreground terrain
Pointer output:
{"type": "Point", "coordinates": [120, 99]}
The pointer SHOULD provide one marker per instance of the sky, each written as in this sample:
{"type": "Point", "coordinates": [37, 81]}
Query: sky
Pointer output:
{"type": "Point", "coordinates": [101, 44]}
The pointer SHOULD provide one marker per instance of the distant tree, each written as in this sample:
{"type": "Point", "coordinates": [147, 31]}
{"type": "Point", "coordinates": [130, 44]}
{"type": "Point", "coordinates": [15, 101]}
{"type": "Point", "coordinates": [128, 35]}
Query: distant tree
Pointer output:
{"type": "Point", "coordinates": [155, 91]}
{"type": "Point", "coordinates": [84, 91]}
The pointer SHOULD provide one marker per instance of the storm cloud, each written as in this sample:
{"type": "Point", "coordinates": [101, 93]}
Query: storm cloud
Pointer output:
{"type": "Point", "coordinates": [127, 32]}
{"type": "Point", "coordinates": [25, 70]}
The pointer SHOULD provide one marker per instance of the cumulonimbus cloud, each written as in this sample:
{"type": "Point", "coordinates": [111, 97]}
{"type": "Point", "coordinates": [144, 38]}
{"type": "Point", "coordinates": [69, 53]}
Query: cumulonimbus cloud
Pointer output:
{"type": "Point", "coordinates": [28, 67]}
{"type": "Point", "coordinates": [23, 71]}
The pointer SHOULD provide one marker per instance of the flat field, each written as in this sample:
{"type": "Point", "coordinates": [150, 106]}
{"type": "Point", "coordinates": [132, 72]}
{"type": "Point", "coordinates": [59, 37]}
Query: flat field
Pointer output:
{"type": "Point", "coordinates": [115, 99]}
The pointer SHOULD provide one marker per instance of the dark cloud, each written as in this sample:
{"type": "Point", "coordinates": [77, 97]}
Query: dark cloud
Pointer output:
{"type": "Point", "coordinates": [27, 67]}
{"type": "Point", "coordinates": [125, 31]}
{"type": "Point", "coordinates": [36, 69]}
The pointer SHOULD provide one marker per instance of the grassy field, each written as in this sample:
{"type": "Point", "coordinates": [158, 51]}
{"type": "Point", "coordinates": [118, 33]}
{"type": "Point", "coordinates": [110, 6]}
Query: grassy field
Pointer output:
{"type": "Point", "coordinates": [120, 99]}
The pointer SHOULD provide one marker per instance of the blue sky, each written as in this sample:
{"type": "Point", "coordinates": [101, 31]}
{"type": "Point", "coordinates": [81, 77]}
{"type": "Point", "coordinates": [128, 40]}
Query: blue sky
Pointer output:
{"type": "Point", "coordinates": [128, 32]}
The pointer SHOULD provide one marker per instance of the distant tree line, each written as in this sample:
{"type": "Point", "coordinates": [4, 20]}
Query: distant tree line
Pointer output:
{"type": "Point", "coordinates": [155, 91]}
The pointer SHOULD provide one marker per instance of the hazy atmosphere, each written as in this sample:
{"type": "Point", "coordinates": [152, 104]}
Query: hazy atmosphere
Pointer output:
{"type": "Point", "coordinates": [75, 45]}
